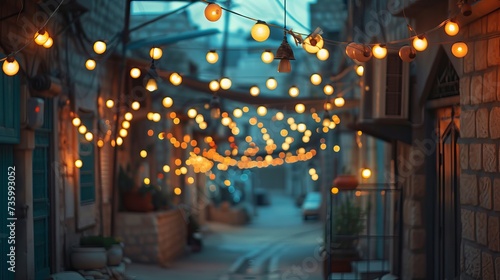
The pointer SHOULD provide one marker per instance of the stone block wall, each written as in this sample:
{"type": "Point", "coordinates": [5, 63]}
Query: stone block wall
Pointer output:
{"type": "Point", "coordinates": [155, 237]}
{"type": "Point", "coordinates": [412, 182]}
{"type": "Point", "coordinates": [479, 150]}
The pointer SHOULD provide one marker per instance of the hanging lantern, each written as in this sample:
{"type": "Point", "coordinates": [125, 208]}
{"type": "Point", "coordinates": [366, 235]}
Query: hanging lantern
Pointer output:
{"type": "Point", "coordinates": [151, 85]}
{"type": "Point", "coordinates": [284, 54]}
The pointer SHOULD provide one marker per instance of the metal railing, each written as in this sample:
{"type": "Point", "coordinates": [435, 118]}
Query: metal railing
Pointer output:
{"type": "Point", "coordinates": [364, 232]}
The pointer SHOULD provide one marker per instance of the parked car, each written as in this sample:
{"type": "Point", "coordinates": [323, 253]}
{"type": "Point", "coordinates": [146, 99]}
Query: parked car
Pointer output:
{"type": "Point", "coordinates": [311, 205]}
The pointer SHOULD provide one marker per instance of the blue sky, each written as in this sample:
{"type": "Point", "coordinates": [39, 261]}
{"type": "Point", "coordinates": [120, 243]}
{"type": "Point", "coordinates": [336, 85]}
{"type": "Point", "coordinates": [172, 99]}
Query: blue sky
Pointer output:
{"type": "Point", "coordinates": [266, 10]}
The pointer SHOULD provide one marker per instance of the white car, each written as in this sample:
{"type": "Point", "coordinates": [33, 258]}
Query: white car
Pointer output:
{"type": "Point", "coordinates": [311, 205]}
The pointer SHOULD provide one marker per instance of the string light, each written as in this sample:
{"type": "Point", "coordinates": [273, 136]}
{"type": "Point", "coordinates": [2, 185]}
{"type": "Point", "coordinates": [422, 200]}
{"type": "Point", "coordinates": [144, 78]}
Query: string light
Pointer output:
{"type": "Point", "coordinates": [41, 37]}
{"type": "Point", "coordinates": [49, 43]}
{"type": "Point", "coordinates": [90, 64]}
{"type": "Point", "coordinates": [316, 79]}
{"type": "Point", "coordinates": [254, 91]}
{"type": "Point", "coordinates": [212, 56]}
{"type": "Point", "coordinates": [135, 73]}
{"type": "Point", "coordinates": [225, 83]}
{"type": "Point", "coordinates": [379, 51]}
{"type": "Point", "coordinates": [175, 79]}
{"type": "Point", "coordinates": [459, 49]}
{"type": "Point", "coordinates": [420, 43]}
{"type": "Point", "coordinates": [339, 101]}
{"type": "Point", "coordinates": [451, 28]}
{"type": "Point", "coordinates": [407, 53]}
{"type": "Point", "coordinates": [214, 85]}
{"type": "Point", "coordinates": [328, 89]}
{"type": "Point", "coordinates": [267, 56]}
{"type": "Point", "coordinates": [360, 70]}
{"type": "Point", "coordinates": [260, 31]}
{"type": "Point", "coordinates": [213, 12]}
{"type": "Point", "coordinates": [293, 91]}
{"type": "Point", "coordinates": [167, 102]}
{"type": "Point", "coordinates": [10, 66]}
{"type": "Point", "coordinates": [155, 53]}
{"type": "Point", "coordinates": [323, 54]}
{"type": "Point", "coordinates": [99, 47]}
{"type": "Point", "coordinates": [271, 83]}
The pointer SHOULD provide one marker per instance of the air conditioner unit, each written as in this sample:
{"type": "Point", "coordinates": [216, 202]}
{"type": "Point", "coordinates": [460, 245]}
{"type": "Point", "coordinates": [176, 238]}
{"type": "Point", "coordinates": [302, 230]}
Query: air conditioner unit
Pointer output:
{"type": "Point", "coordinates": [385, 94]}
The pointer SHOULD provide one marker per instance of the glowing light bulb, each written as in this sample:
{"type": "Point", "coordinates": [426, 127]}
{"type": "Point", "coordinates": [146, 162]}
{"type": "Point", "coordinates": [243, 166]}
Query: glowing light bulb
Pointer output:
{"type": "Point", "coordinates": [151, 85]}
{"type": "Point", "coordinates": [271, 83]}
{"type": "Point", "coordinates": [366, 173]}
{"type": "Point", "coordinates": [451, 28]}
{"type": "Point", "coordinates": [339, 101]}
{"type": "Point", "coordinates": [260, 31]}
{"type": "Point", "coordinates": [360, 70]}
{"type": "Point", "coordinates": [293, 91]}
{"type": "Point", "coordinates": [10, 66]}
{"type": "Point", "coordinates": [261, 111]}
{"type": "Point", "coordinates": [214, 85]}
{"type": "Point", "coordinates": [300, 108]}
{"type": "Point", "coordinates": [254, 91]}
{"type": "Point", "coordinates": [90, 64]}
{"type": "Point", "coordinates": [41, 37]}
{"type": "Point", "coordinates": [379, 51]}
{"type": "Point", "coordinates": [49, 43]}
{"type": "Point", "coordinates": [312, 44]}
{"type": "Point", "coordinates": [212, 56]}
{"type": "Point", "coordinates": [155, 53]}
{"type": "Point", "coordinates": [175, 79]}
{"type": "Point", "coordinates": [225, 83]}
{"type": "Point", "coordinates": [459, 49]}
{"type": "Point", "coordinates": [420, 43]}
{"type": "Point", "coordinates": [78, 163]}
{"type": "Point", "coordinates": [135, 73]}
{"type": "Point", "coordinates": [110, 103]}
{"type": "Point", "coordinates": [167, 102]}
{"type": "Point", "coordinates": [267, 56]}
{"type": "Point", "coordinates": [323, 54]}
{"type": "Point", "coordinates": [328, 89]}
{"type": "Point", "coordinates": [316, 79]}
{"type": "Point", "coordinates": [99, 47]}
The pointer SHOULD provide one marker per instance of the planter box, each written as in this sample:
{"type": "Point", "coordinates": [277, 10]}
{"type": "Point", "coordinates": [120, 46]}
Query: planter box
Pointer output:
{"type": "Point", "coordinates": [154, 237]}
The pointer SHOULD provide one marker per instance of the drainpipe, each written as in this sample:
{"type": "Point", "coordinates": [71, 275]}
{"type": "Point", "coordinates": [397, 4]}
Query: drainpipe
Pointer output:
{"type": "Point", "coordinates": [114, 187]}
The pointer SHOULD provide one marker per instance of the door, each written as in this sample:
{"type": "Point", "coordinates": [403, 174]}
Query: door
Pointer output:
{"type": "Point", "coordinates": [448, 200]}
{"type": "Point", "coordinates": [41, 194]}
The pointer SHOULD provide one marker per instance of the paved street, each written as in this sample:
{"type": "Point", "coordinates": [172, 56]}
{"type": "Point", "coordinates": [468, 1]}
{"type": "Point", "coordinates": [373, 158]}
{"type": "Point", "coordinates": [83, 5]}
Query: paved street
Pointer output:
{"type": "Point", "coordinates": [278, 244]}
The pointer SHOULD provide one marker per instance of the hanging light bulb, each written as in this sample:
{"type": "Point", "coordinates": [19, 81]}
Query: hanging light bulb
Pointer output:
{"type": "Point", "coordinates": [215, 107]}
{"type": "Point", "coordinates": [49, 43]}
{"type": "Point", "coordinates": [267, 56]}
{"type": "Point", "coordinates": [313, 43]}
{"type": "Point", "coordinates": [326, 119]}
{"type": "Point", "coordinates": [10, 66]}
{"type": "Point", "coordinates": [379, 51]}
{"type": "Point", "coordinates": [135, 73]}
{"type": "Point", "coordinates": [214, 85]}
{"type": "Point", "coordinates": [254, 91]}
{"type": "Point", "coordinates": [459, 49]}
{"type": "Point", "coordinates": [451, 28]}
{"type": "Point", "coordinates": [366, 173]}
{"type": "Point", "coordinates": [225, 83]}
{"type": "Point", "coordinates": [151, 85]}
{"type": "Point", "coordinates": [90, 64]}
{"type": "Point", "coordinates": [300, 108]}
{"type": "Point", "coordinates": [328, 89]}
{"type": "Point", "coordinates": [213, 12]}
{"type": "Point", "coordinates": [271, 83]}
{"type": "Point", "coordinates": [316, 79]}
{"type": "Point", "coordinates": [420, 43]}
{"type": "Point", "coordinates": [360, 70]}
{"type": "Point", "coordinates": [261, 111]}
{"type": "Point", "coordinates": [175, 79]}
{"type": "Point", "coordinates": [339, 101]}
{"type": "Point", "coordinates": [212, 56]}
{"type": "Point", "coordinates": [41, 37]}
{"type": "Point", "coordinates": [167, 102]}
{"type": "Point", "coordinates": [78, 163]}
{"type": "Point", "coordinates": [293, 91]}
{"type": "Point", "coordinates": [110, 103]}
{"type": "Point", "coordinates": [99, 47]}
{"type": "Point", "coordinates": [155, 53]}
{"type": "Point", "coordinates": [407, 53]}
{"type": "Point", "coordinates": [323, 54]}
{"type": "Point", "coordinates": [284, 54]}
{"type": "Point", "coordinates": [260, 31]}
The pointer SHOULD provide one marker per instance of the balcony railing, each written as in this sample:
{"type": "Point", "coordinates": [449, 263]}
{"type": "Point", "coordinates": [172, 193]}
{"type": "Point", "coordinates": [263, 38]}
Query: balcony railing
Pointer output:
{"type": "Point", "coordinates": [364, 232]}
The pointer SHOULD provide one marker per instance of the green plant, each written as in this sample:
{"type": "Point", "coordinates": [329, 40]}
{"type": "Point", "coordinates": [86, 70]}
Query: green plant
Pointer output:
{"type": "Point", "coordinates": [348, 223]}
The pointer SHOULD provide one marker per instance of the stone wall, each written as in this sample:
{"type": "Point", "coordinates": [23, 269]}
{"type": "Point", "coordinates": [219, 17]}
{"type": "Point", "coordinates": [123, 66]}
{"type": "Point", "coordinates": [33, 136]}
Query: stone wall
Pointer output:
{"type": "Point", "coordinates": [479, 157]}
{"type": "Point", "coordinates": [155, 237]}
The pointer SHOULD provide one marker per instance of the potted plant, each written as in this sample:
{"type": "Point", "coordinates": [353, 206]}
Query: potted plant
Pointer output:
{"type": "Point", "coordinates": [345, 181]}
{"type": "Point", "coordinates": [135, 199]}
{"type": "Point", "coordinates": [348, 222]}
